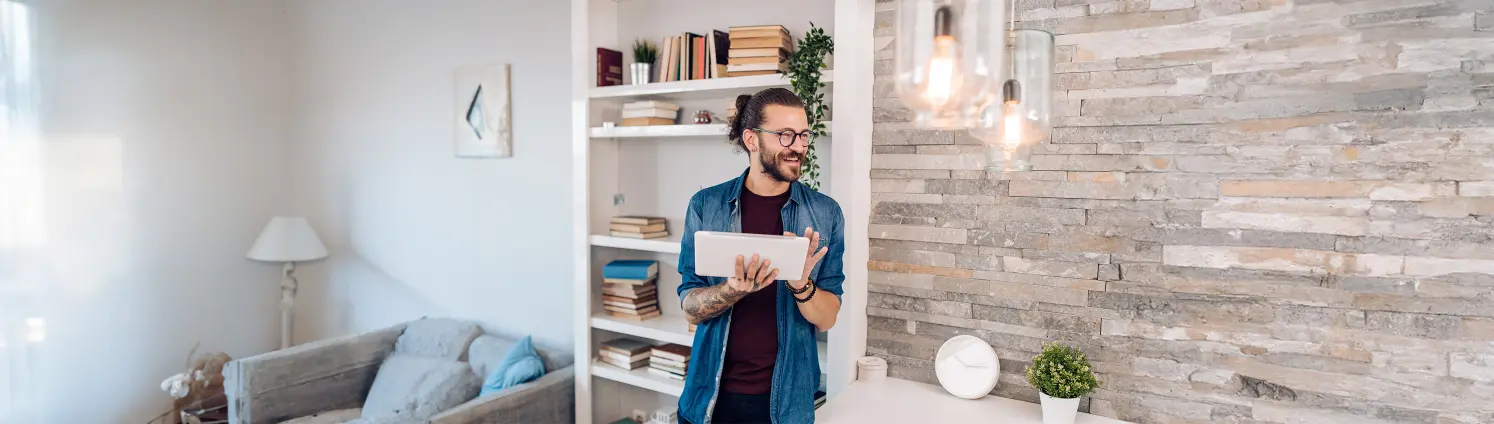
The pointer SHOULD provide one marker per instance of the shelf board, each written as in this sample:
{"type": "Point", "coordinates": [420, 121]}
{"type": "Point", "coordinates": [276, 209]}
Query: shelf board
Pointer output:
{"type": "Point", "coordinates": [687, 130]}
{"type": "Point", "coordinates": [638, 378]}
{"type": "Point", "coordinates": [666, 328]}
{"type": "Point", "coordinates": [664, 245]}
{"type": "Point", "coordinates": [698, 89]}
{"type": "Point", "coordinates": [660, 131]}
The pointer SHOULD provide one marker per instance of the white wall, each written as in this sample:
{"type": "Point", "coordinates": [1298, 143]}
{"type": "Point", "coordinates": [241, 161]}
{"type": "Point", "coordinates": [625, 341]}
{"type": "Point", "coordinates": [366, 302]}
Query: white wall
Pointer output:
{"type": "Point", "coordinates": [164, 125]}
{"type": "Point", "coordinates": [414, 230]}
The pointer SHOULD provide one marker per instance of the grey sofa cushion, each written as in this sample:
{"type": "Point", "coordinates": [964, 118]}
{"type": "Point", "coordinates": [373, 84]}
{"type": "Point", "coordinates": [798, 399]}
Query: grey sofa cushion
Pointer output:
{"type": "Point", "coordinates": [437, 338]}
{"type": "Point", "coordinates": [410, 387]}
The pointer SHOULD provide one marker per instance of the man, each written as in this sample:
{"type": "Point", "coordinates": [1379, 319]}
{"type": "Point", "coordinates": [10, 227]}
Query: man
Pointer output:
{"type": "Point", "coordinates": [754, 358]}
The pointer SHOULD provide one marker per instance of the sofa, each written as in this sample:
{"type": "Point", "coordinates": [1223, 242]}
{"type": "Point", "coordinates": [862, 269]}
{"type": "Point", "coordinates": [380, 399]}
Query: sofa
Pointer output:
{"type": "Point", "coordinates": [427, 371]}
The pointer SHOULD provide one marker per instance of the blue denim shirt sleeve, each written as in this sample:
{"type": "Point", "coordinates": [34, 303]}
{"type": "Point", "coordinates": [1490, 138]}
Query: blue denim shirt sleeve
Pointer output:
{"type": "Point", "coordinates": [688, 279]}
{"type": "Point", "coordinates": [832, 273]}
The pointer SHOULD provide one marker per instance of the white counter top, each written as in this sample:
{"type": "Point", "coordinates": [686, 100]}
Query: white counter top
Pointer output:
{"type": "Point", "coordinates": [902, 401]}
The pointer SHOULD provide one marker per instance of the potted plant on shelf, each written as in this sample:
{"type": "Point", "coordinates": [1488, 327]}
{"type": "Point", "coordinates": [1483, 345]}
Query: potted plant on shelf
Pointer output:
{"type": "Point", "coordinates": [804, 74]}
{"type": "Point", "coordinates": [644, 54]}
{"type": "Point", "coordinates": [1062, 375]}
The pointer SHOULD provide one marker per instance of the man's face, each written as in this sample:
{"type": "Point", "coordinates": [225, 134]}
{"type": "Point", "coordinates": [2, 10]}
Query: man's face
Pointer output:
{"type": "Point", "coordinates": [780, 162]}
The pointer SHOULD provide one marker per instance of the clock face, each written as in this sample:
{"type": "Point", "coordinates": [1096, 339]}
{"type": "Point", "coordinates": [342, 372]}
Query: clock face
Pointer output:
{"type": "Point", "coordinates": [967, 367]}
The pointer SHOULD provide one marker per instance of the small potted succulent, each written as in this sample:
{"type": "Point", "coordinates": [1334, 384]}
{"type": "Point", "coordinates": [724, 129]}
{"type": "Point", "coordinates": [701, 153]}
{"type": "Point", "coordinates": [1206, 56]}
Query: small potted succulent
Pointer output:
{"type": "Point", "coordinates": [644, 55]}
{"type": "Point", "coordinates": [1062, 375]}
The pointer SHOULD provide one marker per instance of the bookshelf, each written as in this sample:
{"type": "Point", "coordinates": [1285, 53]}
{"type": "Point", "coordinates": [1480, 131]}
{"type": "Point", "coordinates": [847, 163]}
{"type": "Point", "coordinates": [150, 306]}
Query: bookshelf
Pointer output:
{"type": "Point", "coordinates": [653, 171]}
{"type": "Point", "coordinates": [695, 89]}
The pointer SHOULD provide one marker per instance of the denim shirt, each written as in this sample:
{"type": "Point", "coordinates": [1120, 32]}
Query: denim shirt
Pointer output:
{"type": "Point", "coordinates": [796, 371]}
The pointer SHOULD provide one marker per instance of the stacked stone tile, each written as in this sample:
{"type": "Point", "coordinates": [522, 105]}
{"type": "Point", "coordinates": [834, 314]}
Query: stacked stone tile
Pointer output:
{"type": "Point", "coordinates": [1264, 211]}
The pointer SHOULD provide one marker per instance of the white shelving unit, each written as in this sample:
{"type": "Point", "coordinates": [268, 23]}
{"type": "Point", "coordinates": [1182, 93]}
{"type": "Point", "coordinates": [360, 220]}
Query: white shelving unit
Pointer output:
{"type": "Point", "coordinates": [654, 170]}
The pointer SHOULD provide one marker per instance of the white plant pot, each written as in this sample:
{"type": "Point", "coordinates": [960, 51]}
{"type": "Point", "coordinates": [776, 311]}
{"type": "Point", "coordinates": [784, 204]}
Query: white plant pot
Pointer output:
{"type": "Point", "coordinates": [1057, 410]}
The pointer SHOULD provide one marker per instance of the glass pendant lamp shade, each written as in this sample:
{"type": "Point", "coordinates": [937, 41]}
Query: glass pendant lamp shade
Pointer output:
{"type": "Point", "coordinates": [949, 59]}
{"type": "Point", "coordinates": [1022, 117]}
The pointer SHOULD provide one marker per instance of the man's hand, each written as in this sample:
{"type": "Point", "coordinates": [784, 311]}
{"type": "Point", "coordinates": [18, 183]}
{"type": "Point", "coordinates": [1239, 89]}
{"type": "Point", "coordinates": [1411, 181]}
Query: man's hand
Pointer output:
{"type": "Point", "coordinates": [752, 276]}
{"type": "Point", "coordinates": [812, 257]}
{"type": "Point", "coordinates": [709, 302]}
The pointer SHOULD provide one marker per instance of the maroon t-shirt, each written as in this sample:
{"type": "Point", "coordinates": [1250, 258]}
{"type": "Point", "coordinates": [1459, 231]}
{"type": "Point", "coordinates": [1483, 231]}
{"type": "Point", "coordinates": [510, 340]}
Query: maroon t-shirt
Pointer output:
{"type": "Point", "coordinates": [752, 340]}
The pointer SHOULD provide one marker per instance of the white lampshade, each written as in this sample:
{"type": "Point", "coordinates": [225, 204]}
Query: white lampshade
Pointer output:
{"type": "Point", "coordinates": [288, 239]}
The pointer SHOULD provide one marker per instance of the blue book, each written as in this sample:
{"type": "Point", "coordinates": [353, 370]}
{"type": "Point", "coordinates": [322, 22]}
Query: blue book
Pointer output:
{"type": "Point", "coordinates": [630, 270]}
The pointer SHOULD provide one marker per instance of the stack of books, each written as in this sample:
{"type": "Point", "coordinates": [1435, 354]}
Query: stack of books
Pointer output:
{"type": "Point", "coordinates": [819, 399]}
{"type": "Point", "coordinates": [692, 56]}
{"type": "Point", "coordinates": [630, 289]}
{"type": "Point", "coordinates": [758, 50]}
{"type": "Point", "coordinates": [639, 227]}
{"type": "Point", "coordinates": [669, 361]}
{"type": "Point", "coordinates": [628, 354]}
{"type": "Point", "coordinates": [649, 112]}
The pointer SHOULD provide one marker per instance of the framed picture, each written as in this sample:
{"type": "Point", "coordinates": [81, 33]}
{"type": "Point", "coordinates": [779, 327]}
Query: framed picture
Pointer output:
{"type": "Point", "coordinates": [483, 125]}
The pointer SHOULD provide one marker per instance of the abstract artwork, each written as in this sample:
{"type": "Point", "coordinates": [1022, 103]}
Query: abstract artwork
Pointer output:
{"type": "Point", "coordinates": [482, 112]}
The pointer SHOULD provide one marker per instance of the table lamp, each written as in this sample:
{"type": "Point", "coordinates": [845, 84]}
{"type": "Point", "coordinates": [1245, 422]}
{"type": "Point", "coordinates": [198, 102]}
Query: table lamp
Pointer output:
{"type": "Point", "coordinates": [289, 240]}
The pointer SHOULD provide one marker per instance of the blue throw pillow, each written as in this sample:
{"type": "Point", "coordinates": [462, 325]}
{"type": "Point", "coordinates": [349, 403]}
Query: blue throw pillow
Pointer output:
{"type": "Point", "coordinates": [521, 365]}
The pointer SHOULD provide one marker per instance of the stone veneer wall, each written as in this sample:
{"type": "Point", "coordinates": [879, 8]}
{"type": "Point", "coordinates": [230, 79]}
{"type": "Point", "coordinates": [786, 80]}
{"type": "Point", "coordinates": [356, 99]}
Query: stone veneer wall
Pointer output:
{"type": "Point", "coordinates": [1252, 211]}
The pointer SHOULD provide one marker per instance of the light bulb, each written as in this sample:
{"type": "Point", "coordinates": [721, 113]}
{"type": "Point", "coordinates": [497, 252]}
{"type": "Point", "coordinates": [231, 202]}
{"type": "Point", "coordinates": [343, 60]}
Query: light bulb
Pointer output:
{"type": "Point", "coordinates": [941, 71]}
{"type": "Point", "coordinates": [1012, 125]}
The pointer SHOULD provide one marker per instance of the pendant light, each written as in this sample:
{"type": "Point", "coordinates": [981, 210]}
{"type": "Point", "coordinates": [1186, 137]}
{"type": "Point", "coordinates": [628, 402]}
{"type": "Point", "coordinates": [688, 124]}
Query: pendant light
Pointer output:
{"type": "Point", "coordinates": [1022, 118]}
{"type": "Point", "coordinates": [949, 56]}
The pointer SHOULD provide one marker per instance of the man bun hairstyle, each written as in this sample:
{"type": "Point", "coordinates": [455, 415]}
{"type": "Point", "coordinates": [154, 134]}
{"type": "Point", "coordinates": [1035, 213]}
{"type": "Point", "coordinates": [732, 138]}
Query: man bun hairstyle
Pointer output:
{"type": "Point", "coordinates": [750, 111]}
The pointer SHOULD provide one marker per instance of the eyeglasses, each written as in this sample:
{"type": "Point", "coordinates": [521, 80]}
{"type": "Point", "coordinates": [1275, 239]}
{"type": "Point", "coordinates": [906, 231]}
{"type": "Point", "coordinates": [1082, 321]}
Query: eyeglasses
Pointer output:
{"type": "Point", "coordinates": [787, 137]}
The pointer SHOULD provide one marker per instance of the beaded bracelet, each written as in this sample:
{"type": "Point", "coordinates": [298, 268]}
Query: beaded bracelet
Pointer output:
{"type": "Point", "coordinates": [814, 288]}
{"type": "Point", "coordinates": [801, 291]}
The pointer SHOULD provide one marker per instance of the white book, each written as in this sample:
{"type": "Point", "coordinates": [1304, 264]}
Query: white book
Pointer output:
{"type": "Point", "coordinates": [745, 67]}
{"type": "Point", "coordinates": [651, 104]}
{"type": "Point", "coordinates": [666, 374]}
{"type": "Point", "coordinates": [650, 113]}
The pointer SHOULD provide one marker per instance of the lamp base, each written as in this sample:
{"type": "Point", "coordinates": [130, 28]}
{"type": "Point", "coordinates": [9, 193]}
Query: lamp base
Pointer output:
{"type": "Point", "coordinates": [288, 287]}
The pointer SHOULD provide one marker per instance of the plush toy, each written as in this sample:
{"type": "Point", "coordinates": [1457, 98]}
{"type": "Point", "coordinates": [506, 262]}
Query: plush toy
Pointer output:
{"type": "Point", "coordinates": [199, 387]}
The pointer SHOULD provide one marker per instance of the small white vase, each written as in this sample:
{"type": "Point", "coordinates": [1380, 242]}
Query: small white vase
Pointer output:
{"type": "Point", "coordinates": [1058, 410]}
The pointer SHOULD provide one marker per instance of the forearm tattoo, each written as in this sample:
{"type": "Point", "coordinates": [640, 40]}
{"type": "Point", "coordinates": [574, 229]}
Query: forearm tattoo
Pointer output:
{"type": "Point", "coordinates": [710, 302]}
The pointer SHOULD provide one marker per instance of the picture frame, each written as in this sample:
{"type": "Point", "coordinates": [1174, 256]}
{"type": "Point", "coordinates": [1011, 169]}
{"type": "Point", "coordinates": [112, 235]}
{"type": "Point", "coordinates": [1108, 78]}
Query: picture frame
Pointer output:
{"type": "Point", "coordinates": [482, 112]}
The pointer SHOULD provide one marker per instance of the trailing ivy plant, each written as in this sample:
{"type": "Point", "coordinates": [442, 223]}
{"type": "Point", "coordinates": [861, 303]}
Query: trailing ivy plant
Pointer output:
{"type": "Point", "coordinates": [1062, 372]}
{"type": "Point", "coordinates": [804, 73]}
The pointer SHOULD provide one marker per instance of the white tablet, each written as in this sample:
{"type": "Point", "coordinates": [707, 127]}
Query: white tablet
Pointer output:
{"type": "Point", "coordinates": [716, 253]}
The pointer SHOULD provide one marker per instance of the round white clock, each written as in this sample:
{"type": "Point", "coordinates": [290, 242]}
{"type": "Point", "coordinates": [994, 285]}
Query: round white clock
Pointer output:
{"type": "Point", "coordinates": [967, 367]}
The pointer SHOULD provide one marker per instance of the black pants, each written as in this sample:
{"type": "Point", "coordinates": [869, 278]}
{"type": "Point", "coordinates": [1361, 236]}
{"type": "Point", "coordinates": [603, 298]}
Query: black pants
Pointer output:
{"type": "Point", "coordinates": [733, 408]}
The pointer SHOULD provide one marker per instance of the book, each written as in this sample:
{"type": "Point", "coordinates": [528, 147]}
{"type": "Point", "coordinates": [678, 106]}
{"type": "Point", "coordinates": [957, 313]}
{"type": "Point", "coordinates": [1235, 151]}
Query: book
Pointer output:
{"type": "Point", "coordinates": [609, 67]}
{"type": "Point", "coordinates": [780, 67]}
{"type": "Point", "coordinates": [628, 291]}
{"type": "Point", "coordinates": [698, 58]}
{"type": "Point", "coordinates": [750, 73]}
{"type": "Point", "coordinates": [628, 346]}
{"type": "Point", "coordinates": [628, 420]}
{"type": "Point", "coordinates": [662, 74]}
{"type": "Point", "coordinates": [628, 281]}
{"type": "Point", "coordinates": [610, 298]}
{"type": "Point", "coordinates": [673, 352]}
{"type": "Point", "coordinates": [638, 220]}
{"type": "Point", "coordinates": [723, 44]}
{"type": "Point", "coordinates": [666, 363]}
{"type": "Point", "coordinates": [667, 368]}
{"type": "Point", "coordinates": [758, 31]}
{"type": "Point", "coordinates": [769, 52]}
{"type": "Point", "coordinates": [754, 60]}
{"type": "Point", "coordinates": [636, 317]}
{"type": "Point", "coordinates": [643, 122]}
{"type": "Point", "coordinates": [633, 305]}
{"type": "Point", "coordinates": [650, 104]}
{"type": "Point", "coordinates": [666, 374]}
{"type": "Point", "coordinates": [631, 311]}
{"type": "Point", "coordinates": [636, 269]}
{"type": "Point", "coordinates": [622, 361]}
{"type": "Point", "coordinates": [764, 42]}
{"type": "Point", "coordinates": [651, 228]}
{"type": "Point", "coordinates": [650, 113]}
{"type": "Point", "coordinates": [653, 235]}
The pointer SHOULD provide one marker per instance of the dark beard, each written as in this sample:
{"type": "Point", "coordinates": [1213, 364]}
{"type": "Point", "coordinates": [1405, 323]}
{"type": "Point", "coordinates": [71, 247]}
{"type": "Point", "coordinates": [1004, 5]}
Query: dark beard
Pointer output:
{"type": "Point", "coordinates": [773, 166]}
